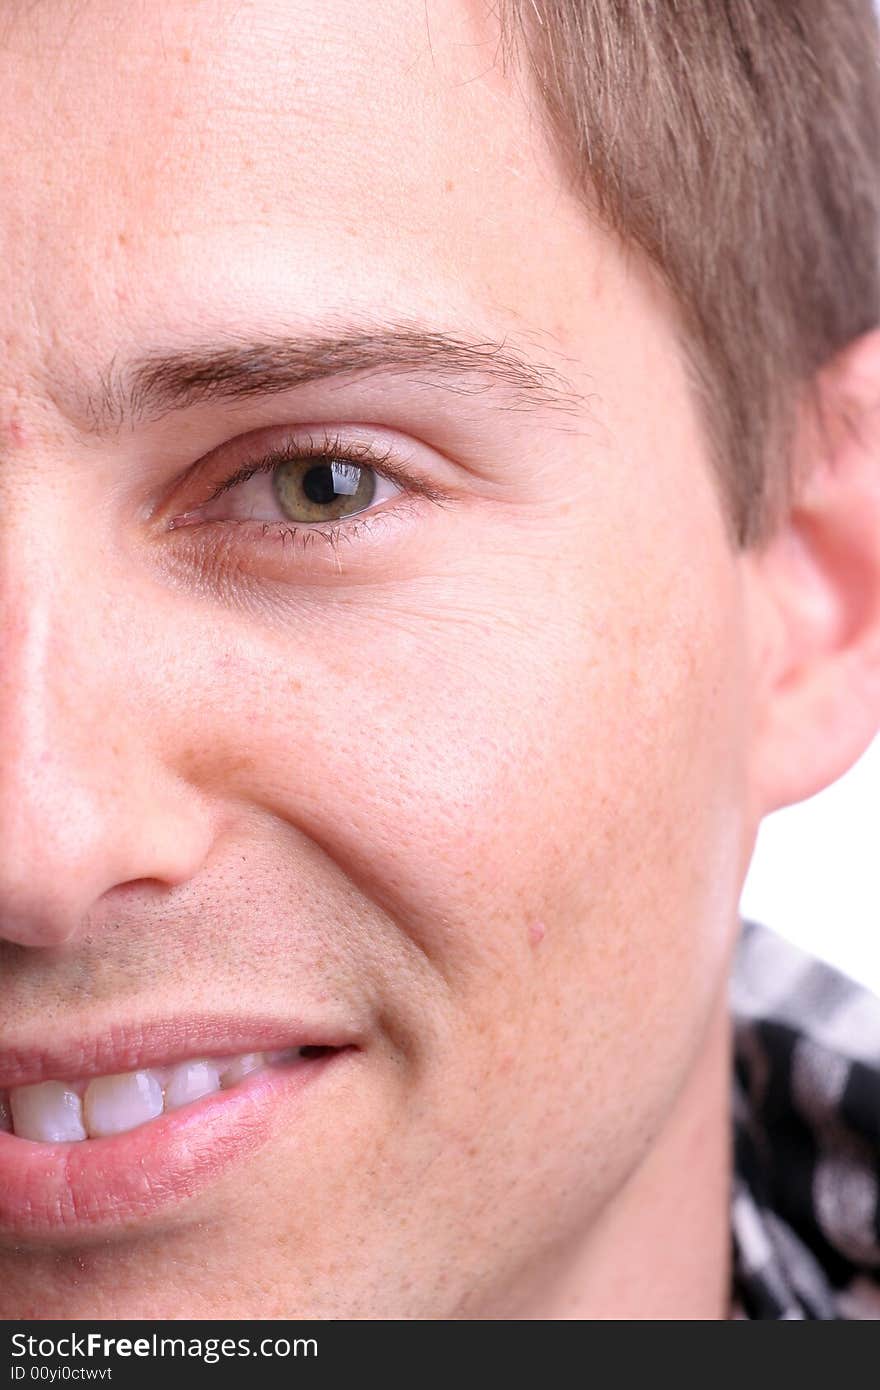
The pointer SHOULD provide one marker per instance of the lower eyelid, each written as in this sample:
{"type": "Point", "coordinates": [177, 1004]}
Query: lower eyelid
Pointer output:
{"type": "Point", "coordinates": [244, 545]}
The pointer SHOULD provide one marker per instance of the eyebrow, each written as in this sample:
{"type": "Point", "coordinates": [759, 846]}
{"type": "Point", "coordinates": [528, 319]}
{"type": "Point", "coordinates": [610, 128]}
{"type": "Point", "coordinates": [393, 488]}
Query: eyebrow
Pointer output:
{"type": "Point", "coordinates": [236, 368]}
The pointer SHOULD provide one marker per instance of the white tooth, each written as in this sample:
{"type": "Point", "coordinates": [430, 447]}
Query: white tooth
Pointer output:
{"type": "Point", "coordinates": [114, 1104]}
{"type": "Point", "coordinates": [190, 1081]}
{"type": "Point", "coordinates": [50, 1112]}
{"type": "Point", "coordinates": [241, 1067]}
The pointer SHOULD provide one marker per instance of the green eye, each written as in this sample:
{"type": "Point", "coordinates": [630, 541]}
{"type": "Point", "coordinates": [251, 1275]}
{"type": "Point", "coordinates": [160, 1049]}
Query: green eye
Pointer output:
{"type": "Point", "coordinates": [322, 489]}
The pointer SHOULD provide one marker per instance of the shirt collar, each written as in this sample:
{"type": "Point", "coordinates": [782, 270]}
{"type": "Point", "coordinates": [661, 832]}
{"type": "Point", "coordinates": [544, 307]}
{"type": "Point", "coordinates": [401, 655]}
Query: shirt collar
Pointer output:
{"type": "Point", "coordinates": [805, 1196]}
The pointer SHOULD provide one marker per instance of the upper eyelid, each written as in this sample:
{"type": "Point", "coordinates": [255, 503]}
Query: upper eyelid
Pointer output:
{"type": "Point", "coordinates": [265, 460]}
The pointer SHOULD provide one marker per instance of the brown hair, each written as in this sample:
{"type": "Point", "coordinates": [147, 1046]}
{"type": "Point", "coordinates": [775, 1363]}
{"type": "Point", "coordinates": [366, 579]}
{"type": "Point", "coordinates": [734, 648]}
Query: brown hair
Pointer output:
{"type": "Point", "coordinates": [737, 143]}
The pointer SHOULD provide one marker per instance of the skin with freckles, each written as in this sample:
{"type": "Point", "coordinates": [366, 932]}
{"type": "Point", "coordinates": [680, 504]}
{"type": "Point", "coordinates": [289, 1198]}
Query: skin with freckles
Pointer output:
{"type": "Point", "coordinates": [481, 779]}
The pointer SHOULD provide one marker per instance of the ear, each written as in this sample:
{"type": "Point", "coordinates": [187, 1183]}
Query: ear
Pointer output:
{"type": "Point", "coordinates": [812, 595]}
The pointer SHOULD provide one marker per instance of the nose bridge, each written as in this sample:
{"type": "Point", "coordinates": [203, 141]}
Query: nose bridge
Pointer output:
{"type": "Point", "coordinates": [48, 715]}
{"type": "Point", "coordinates": [84, 801]}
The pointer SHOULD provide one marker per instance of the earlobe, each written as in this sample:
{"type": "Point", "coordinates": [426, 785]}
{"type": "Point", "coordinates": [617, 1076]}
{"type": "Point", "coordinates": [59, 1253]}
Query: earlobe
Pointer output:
{"type": "Point", "coordinates": [813, 596]}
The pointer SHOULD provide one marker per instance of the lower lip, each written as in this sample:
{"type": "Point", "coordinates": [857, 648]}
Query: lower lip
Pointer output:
{"type": "Point", "coordinates": [58, 1191]}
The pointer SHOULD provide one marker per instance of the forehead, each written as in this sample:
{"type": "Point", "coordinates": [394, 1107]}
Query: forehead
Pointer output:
{"type": "Point", "coordinates": [176, 156]}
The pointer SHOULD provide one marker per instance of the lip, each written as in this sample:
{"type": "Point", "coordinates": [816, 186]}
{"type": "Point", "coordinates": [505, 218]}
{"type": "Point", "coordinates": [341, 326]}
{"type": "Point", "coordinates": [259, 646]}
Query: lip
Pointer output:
{"type": "Point", "coordinates": [161, 1043]}
{"type": "Point", "coordinates": [61, 1191]}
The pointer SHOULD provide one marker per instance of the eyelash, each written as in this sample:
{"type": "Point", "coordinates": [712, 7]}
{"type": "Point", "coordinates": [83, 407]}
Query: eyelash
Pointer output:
{"type": "Point", "coordinates": [327, 449]}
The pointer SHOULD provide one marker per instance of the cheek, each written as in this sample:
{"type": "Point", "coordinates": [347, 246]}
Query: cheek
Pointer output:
{"type": "Point", "coordinates": [524, 772]}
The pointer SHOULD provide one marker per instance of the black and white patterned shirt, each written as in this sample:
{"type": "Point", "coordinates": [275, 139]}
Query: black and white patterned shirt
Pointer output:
{"type": "Point", "coordinates": [805, 1206]}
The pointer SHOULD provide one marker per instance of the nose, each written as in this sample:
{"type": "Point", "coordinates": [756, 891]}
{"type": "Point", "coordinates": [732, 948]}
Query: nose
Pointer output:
{"type": "Point", "coordinates": [87, 802]}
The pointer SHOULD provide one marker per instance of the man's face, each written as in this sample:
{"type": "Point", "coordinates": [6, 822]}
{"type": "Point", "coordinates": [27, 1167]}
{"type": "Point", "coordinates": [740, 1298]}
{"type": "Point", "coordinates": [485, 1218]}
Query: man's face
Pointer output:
{"type": "Point", "coordinates": [463, 787]}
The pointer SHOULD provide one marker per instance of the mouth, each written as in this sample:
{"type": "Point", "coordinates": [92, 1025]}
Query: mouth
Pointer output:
{"type": "Point", "coordinates": [107, 1134]}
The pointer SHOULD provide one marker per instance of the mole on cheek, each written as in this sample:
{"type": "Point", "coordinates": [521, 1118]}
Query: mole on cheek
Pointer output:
{"type": "Point", "coordinates": [14, 431]}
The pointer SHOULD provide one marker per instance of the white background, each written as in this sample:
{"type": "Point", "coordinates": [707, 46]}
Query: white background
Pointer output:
{"type": "Point", "coordinates": [815, 873]}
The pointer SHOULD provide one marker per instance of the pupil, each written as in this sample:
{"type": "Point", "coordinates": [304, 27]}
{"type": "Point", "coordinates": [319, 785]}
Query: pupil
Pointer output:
{"type": "Point", "coordinates": [318, 484]}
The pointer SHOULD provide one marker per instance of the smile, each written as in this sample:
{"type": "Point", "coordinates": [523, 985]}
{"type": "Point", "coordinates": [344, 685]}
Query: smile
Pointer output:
{"type": "Point", "coordinates": [105, 1135]}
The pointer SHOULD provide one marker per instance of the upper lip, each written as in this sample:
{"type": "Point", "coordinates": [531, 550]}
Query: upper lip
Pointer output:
{"type": "Point", "coordinates": [131, 1047]}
